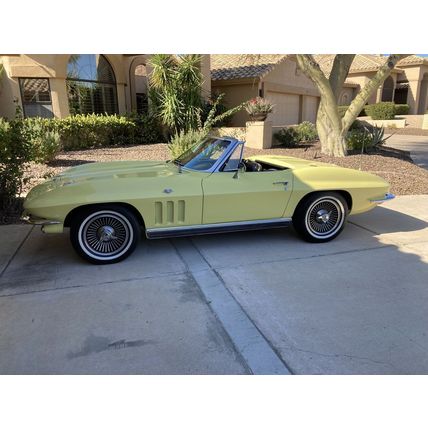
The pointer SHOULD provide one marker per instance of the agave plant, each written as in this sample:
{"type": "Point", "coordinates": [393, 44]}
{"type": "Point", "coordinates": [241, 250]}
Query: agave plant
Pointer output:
{"type": "Point", "coordinates": [378, 136]}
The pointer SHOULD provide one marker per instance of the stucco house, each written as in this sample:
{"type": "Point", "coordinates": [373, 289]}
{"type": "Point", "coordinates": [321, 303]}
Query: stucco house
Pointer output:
{"type": "Point", "coordinates": [59, 85]}
{"type": "Point", "coordinates": [278, 78]}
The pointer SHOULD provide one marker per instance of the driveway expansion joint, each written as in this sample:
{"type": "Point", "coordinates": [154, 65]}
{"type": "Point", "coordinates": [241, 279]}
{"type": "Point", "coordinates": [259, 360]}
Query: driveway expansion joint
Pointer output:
{"type": "Point", "coordinates": [250, 343]}
{"type": "Point", "coordinates": [16, 251]}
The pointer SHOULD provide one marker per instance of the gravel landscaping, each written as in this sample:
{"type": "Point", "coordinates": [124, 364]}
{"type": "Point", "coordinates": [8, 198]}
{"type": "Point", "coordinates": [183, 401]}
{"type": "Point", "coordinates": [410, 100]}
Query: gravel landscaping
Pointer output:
{"type": "Point", "coordinates": [405, 177]}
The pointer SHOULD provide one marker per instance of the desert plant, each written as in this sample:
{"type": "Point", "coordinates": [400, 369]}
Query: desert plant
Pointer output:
{"type": "Point", "coordinates": [287, 137]}
{"type": "Point", "coordinates": [306, 132]}
{"type": "Point", "coordinates": [258, 106]}
{"type": "Point", "coordinates": [359, 140]}
{"type": "Point", "coordinates": [183, 139]}
{"type": "Point", "coordinates": [377, 134]}
{"type": "Point", "coordinates": [175, 90]}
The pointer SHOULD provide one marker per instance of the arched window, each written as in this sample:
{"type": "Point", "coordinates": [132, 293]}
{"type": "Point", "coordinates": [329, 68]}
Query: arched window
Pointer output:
{"type": "Point", "coordinates": [388, 89]}
{"type": "Point", "coordinates": [91, 85]}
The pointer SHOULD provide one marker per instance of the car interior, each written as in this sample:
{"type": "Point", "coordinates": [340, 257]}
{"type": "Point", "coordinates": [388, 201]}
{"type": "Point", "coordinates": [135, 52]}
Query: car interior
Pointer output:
{"type": "Point", "coordinates": [257, 166]}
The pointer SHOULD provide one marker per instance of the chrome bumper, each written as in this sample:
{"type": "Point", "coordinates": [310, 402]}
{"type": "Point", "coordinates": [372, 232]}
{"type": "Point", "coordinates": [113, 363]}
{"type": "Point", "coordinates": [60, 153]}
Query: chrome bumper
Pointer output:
{"type": "Point", "coordinates": [39, 221]}
{"type": "Point", "coordinates": [387, 197]}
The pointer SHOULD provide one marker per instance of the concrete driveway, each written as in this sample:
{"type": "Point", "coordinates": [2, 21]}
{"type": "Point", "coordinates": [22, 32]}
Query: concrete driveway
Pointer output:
{"type": "Point", "coordinates": [417, 146]}
{"type": "Point", "coordinates": [261, 302]}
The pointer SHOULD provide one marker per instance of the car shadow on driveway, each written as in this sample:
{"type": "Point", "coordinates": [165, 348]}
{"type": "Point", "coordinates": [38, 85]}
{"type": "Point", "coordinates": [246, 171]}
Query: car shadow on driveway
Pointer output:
{"type": "Point", "coordinates": [355, 305]}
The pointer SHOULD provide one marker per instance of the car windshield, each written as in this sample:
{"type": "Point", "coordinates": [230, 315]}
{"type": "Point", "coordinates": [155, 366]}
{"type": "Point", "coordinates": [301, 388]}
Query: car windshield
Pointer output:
{"type": "Point", "coordinates": [202, 156]}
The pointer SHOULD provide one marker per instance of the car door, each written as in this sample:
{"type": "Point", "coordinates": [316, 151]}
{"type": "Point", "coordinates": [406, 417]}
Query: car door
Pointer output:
{"type": "Point", "coordinates": [230, 196]}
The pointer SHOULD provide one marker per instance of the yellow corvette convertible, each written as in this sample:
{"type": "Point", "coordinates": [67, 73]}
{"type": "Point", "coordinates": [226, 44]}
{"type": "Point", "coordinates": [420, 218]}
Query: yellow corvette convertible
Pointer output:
{"type": "Point", "coordinates": [210, 188]}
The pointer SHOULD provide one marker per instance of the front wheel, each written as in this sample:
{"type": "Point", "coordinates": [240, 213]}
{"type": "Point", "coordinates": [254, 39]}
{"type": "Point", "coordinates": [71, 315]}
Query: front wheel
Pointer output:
{"type": "Point", "coordinates": [104, 235]}
{"type": "Point", "coordinates": [320, 217]}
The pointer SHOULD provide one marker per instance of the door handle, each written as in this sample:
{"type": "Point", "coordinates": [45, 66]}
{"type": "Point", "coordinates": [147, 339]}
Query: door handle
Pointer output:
{"type": "Point", "coordinates": [284, 183]}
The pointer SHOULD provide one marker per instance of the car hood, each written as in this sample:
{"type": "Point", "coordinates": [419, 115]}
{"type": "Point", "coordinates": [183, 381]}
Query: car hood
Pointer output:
{"type": "Point", "coordinates": [97, 171]}
{"type": "Point", "coordinates": [118, 169]}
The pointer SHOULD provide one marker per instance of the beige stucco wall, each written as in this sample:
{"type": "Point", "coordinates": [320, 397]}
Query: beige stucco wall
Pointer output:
{"type": "Point", "coordinates": [235, 94]}
{"type": "Point", "coordinates": [346, 96]}
{"type": "Point", "coordinates": [54, 67]}
{"type": "Point", "coordinates": [295, 97]}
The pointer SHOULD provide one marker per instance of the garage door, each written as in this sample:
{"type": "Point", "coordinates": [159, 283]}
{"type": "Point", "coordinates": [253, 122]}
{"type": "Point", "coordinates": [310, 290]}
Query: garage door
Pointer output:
{"type": "Point", "coordinates": [311, 107]}
{"type": "Point", "coordinates": [286, 108]}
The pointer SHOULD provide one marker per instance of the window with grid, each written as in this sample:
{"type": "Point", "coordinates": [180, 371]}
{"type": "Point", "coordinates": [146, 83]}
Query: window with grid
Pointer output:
{"type": "Point", "coordinates": [36, 97]}
{"type": "Point", "coordinates": [91, 85]}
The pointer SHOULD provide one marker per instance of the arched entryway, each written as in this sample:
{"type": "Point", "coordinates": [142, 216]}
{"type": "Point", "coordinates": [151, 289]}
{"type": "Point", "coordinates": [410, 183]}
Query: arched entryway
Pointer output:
{"type": "Point", "coordinates": [401, 93]}
{"type": "Point", "coordinates": [91, 85]}
{"type": "Point", "coordinates": [423, 95]}
{"type": "Point", "coordinates": [138, 84]}
{"type": "Point", "coordinates": [388, 89]}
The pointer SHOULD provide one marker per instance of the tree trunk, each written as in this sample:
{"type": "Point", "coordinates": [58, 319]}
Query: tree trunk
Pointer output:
{"type": "Point", "coordinates": [331, 134]}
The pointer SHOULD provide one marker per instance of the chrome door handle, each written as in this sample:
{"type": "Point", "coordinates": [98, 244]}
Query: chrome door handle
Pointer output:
{"type": "Point", "coordinates": [281, 182]}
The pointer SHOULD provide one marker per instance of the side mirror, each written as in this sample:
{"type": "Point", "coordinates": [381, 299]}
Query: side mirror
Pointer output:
{"type": "Point", "coordinates": [241, 168]}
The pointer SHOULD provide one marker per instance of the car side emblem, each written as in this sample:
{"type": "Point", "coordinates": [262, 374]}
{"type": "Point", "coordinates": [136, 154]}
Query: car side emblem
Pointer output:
{"type": "Point", "coordinates": [167, 190]}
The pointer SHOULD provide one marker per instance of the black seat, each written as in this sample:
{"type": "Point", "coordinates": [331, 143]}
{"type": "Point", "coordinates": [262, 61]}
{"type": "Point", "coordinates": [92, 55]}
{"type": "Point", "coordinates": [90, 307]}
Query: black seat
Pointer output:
{"type": "Point", "coordinates": [252, 166]}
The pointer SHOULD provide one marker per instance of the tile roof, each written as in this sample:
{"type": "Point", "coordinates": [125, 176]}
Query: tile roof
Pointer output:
{"type": "Point", "coordinates": [360, 63]}
{"type": "Point", "coordinates": [367, 62]}
{"type": "Point", "coordinates": [241, 66]}
{"type": "Point", "coordinates": [412, 60]}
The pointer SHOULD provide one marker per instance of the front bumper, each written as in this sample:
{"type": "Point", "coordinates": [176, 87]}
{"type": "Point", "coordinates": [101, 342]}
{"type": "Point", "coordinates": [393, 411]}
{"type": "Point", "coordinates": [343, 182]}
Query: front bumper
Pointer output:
{"type": "Point", "coordinates": [387, 197]}
{"type": "Point", "coordinates": [48, 226]}
{"type": "Point", "coordinates": [38, 221]}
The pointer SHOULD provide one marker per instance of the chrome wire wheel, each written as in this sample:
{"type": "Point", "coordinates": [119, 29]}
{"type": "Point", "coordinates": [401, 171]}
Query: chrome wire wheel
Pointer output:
{"type": "Point", "coordinates": [324, 217]}
{"type": "Point", "coordinates": [105, 235]}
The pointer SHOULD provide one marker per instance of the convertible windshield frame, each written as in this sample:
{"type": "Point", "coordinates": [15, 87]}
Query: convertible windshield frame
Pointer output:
{"type": "Point", "coordinates": [219, 162]}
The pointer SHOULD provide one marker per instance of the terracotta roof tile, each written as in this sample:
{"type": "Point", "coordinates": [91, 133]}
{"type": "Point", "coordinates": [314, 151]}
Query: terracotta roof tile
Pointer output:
{"type": "Point", "coordinates": [412, 60]}
{"type": "Point", "coordinates": [241, 66]}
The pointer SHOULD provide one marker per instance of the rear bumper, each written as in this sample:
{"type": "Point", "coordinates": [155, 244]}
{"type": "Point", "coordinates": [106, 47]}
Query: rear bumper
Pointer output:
{"type": "Point", "coordinates": [387, 197]}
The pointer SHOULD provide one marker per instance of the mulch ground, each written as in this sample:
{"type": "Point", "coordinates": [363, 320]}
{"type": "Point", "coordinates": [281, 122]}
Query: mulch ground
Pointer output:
{"type": "Point", "coordinates": [405, 177]}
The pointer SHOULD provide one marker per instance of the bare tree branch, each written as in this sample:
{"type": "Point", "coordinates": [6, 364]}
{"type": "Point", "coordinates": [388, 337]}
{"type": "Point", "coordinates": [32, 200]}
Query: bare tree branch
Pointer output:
{"type": "Point", "coordinates": [312, 69]}
{"type": "Point", "coordinates": [339, 72]}
{"type": "Point", "coordinates": [363, 96]}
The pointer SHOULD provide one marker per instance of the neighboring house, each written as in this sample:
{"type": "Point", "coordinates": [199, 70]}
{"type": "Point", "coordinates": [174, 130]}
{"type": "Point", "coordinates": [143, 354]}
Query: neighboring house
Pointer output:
{"type": "Point", "coordinates": [59, 85]}
{"type": "Point", "coordinates": [278, 78]}
{"type": "Point", "coordinates": [275, 77]}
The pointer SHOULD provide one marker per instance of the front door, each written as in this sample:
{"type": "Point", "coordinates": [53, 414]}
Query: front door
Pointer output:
{"type": "Point", "coordinates": [245, 196]}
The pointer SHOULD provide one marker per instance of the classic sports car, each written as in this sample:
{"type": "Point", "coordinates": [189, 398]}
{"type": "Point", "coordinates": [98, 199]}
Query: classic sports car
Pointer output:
{"type": "Point", "coordinates": [208, 189]}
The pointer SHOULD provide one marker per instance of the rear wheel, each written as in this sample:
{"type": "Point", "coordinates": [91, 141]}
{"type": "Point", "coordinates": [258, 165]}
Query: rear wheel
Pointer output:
{"type": "Point", "coordinates": [104, 235]}
{"type": "Point", "coordinates": [320, 217]}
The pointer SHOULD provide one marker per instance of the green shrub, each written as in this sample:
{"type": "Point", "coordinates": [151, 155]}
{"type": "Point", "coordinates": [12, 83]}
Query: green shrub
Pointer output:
{"type": "Point", "coordinates": [287, 137]}
{"type": "Point", "coordinates": [342, 111]}
{"type": "Point", "coordinates": [358, 140]}
{"type": "Point", "coordinates": [15, 152]}
{"type": "Point", "coordinates": [182, 141]}
{"type": "Point", "coordinates": [306, 132]}
{"type": "Point", "coordinates": [402, 109]}
{"type": "Point", "coordinates": [94, 131]}
{"type": "Point", "coordinates": [43, 137]}
{"type": "Point", "coordinates": [381, 111]}
{"type": "Point", "coordinates": [366, 138]}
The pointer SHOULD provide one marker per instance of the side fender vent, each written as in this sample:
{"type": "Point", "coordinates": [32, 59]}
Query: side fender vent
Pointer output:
{"type": "Point", "coordinates": [170, 212]}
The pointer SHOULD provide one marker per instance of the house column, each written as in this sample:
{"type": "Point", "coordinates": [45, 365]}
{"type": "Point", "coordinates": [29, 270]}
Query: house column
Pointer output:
{"type": "Point", "coordinates": [59, 97]}
{"type": "Point", "coordinates": [413, 95]}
